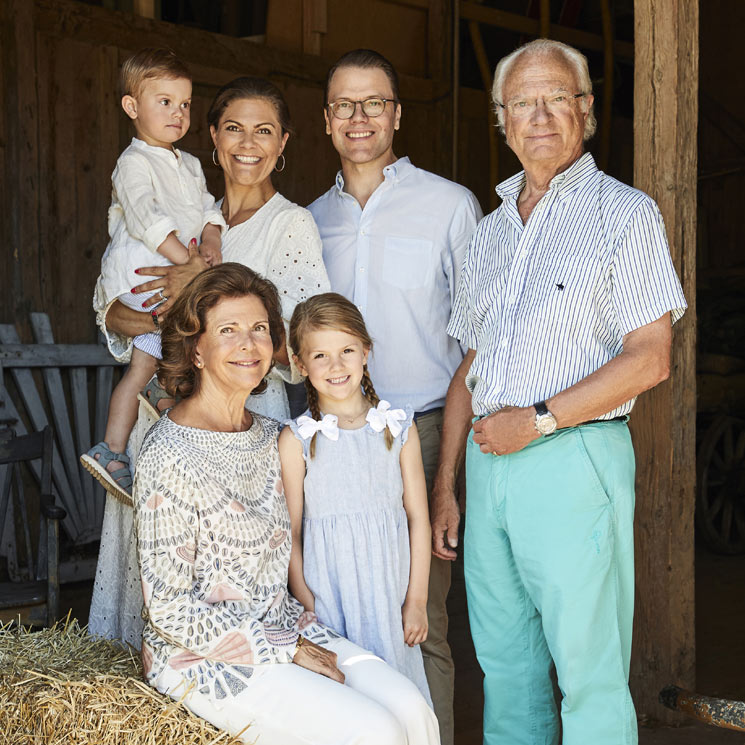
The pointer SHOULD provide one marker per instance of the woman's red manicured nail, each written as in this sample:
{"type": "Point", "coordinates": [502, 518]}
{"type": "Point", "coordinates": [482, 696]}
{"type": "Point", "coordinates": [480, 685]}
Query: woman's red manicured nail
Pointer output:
{"type": "Point", "coordinates": [134, 290]}
{"type": "Point", "coordinates": [143, 305]}
{"type": "Point", "coordinates": [137, 271]}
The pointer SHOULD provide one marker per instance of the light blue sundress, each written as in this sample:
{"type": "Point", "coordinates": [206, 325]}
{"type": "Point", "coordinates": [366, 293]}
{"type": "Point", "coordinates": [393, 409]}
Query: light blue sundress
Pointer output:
{"type": "Point", "coordinates": [356, 554]}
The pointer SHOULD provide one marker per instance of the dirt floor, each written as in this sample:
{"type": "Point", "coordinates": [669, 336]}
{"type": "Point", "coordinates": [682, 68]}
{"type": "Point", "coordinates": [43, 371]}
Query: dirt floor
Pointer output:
{"type": "Point", "coordinates": [720, 653]}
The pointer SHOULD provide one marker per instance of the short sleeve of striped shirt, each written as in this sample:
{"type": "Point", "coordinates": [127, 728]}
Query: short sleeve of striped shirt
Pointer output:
{"type": "Point", "coordinates": [645, 284]}
{"type": "Point", "coordinates": [461, 326]}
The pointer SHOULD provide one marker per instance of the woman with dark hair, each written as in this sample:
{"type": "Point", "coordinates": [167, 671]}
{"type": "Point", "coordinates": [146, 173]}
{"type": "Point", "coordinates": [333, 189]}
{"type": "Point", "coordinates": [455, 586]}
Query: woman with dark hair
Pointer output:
{"type": "Point", "coordinates": [249, 124]}
{"type": "Point", "coordinates": [222, 633]}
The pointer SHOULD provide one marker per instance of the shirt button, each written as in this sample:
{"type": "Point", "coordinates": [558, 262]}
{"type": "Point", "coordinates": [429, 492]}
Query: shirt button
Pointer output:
{"type": "Point", "coordinates": [362, 232]}
{"type": "Point", "coordinates": [362, 268]}
{"type": "Point", "coordinates": [505, 341]}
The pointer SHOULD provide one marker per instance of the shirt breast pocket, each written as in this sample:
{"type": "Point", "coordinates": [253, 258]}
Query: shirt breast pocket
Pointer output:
{"type": "Point", "coordinates": [407, 262]}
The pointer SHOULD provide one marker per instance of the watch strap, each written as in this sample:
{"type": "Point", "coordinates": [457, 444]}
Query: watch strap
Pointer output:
{"type": "Point", "coordinates": [541, 408]}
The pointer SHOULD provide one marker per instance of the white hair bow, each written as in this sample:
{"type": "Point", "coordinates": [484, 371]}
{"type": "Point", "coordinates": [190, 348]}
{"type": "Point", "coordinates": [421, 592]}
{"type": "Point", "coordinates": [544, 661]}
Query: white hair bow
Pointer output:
{"type": "Point", "coordinates": [384, 416]}
{"type": "Point", "coordinates": [328, 425]}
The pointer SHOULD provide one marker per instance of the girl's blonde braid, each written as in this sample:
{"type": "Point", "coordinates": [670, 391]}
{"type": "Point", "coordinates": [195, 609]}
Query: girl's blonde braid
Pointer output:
{"type": "Point", "coordinates": [369, 390]}
{"type": "Point", "coordinates": [315, 412]}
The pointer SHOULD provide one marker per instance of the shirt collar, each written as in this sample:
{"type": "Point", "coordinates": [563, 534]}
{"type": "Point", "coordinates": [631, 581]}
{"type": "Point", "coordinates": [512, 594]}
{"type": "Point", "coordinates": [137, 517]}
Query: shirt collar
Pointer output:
{"type": "Point", "coordinates": [395, 172]}
{"type": "Point", "coordinates": [159, 151]}
{"type": "Point", "coordinates": [563, 183]}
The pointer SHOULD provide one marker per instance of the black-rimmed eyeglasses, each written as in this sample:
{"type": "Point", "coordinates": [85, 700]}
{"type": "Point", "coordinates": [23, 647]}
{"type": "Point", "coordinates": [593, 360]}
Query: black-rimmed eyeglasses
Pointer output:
{"type": "Point", "coordinates": [371, 107]}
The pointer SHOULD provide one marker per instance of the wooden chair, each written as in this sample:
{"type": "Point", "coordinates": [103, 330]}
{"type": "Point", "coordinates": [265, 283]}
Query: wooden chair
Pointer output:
{"type": "Point", "coordinates": [35, 599]}
{"type": "Point", "coordinates": [69, 387]}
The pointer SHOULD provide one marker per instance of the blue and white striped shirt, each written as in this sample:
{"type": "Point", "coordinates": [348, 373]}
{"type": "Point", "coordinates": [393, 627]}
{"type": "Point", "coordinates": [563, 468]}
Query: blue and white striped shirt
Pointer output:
{"type": "Point", "coordinates": [547, 303]}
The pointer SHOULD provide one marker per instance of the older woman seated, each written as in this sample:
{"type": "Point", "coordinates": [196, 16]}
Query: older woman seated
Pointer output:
{"type": "Point", "coordinates": [213, 540]}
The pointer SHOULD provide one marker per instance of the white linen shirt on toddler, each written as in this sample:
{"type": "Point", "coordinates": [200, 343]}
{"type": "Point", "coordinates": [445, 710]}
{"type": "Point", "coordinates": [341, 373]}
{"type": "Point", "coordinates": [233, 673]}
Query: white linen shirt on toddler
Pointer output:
{"type": "Point", "coordinates": [155, 191]}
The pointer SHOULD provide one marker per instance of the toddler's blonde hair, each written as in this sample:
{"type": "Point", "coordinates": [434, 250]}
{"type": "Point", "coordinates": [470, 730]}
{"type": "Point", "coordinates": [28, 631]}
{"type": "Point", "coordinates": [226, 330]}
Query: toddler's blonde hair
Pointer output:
{"type": "Point", "coordinates": [148, 64]}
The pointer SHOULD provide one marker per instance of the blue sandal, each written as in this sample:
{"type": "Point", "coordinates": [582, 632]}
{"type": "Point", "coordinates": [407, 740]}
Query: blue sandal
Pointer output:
{"type": "Point", "coordinates": [118, 483]}
{"type": "Point", "coordinates": [151, 395]}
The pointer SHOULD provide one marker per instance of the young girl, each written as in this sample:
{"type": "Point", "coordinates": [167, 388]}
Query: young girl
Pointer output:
{"type": "Point", "coordinates": [159, 202]}
{"type": "Point", "coordinates": [355, 489]}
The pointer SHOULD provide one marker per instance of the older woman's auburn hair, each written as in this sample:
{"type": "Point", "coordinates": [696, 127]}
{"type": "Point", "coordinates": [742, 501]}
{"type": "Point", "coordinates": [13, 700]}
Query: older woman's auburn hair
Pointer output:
{"type": "Point", "coordinates": [187, 319]}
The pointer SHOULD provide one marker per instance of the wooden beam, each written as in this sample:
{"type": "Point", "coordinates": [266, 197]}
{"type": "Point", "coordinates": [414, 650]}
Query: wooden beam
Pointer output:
{"type": "Point", "coordinates": [421, 4]}
{"type": "Point", "coordinates": [56, 355]}
{"type": "Point", "coordinates": [212, 55]}
{"type": "Point", "coordinates": [314, 25]}
{"type": "Point", "coordinates": [664, 420]}
{"type": "Point", "coordinates": [544, 19]}
{"type": "Point", "coordinates": [22, 281]}
{"type": "Point", "coordinates": [472, 11]}
{"type": "Point", "coordinates": [144, 8]}
{"type": "Point", "coordinates": [440, 69]}
{"type": "Point", "coordinates": [75, 21]}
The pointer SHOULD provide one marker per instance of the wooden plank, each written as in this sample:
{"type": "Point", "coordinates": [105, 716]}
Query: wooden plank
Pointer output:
{"type": "Point", "coordinates": [314, 19]}
{"type": "Point", "coordinates": [79, 399]}
{"type": "Point", "coordinates": [439, 67]}
{"type": "Point", "coordinates": [31, 399]}
{"type": "Point", "coordinates": [28, 615]}
{"type": "Point", "coordinates": [86, 23]}
{"type": "Point", "coordinates": [421, 4]}
{"type": "Point", "coordinates": [664, 420]}
{"type": "Point", "coordinates": [544, 19]}
{"type": "Point", "coordinates": [472, 11]}
{"type": "Point", "coordinates": [20, 211]}
{"type": "Point", "coordinates": [8, 531]}
{"type": "Point", "coordinates": [56, 355]}
{"type": "Point", "coordinates": [6, 185]}
{"type": "Point", "coordinates": [65, 164]}
{"type": "Point", "coordinates": [104, 380]}
{"type": "Point", "coordinates": [18, 495]}
{"type": "Point", "coordinates": [61, 417]}
{"type": "Point", "coordinates": [144, 8]}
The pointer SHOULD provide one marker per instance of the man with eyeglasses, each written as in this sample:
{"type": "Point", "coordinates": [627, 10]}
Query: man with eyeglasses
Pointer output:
{"type": "Point", "coordinates": [394, 237]}
{"type": "Point", "coordinates": [566, 302]}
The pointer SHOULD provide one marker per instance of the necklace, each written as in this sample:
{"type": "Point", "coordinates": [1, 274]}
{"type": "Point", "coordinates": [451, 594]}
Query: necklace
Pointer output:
{"type": "Point", "coordinates": [352, 420]}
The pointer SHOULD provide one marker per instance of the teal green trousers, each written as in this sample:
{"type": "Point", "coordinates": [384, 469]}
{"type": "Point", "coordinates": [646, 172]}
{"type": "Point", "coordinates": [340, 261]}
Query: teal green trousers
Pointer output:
{"type": "Point", "coordinates": [549, 565]}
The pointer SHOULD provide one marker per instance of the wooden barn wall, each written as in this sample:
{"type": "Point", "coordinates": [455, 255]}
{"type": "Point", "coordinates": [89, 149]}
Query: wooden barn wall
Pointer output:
{"type": "Point", "coordinates": [721, 186]}
{"type": "Point", "coordinates": [62, 130]}
{"type": "Point", "coordinates": [663, 425]}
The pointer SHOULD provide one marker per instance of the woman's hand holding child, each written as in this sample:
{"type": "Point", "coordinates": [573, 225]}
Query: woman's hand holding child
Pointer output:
{"type": "Point", "coordinates": [171, 280]}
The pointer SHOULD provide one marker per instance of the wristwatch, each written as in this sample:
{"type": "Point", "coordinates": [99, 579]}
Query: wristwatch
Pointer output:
{"type": "Point", "coordinates": [545, 422]}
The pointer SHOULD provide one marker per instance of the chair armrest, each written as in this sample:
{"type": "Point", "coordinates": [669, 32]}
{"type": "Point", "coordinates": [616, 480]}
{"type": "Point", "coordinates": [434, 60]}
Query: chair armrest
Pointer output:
{"type": "Point", "coordinates": [50, 510]}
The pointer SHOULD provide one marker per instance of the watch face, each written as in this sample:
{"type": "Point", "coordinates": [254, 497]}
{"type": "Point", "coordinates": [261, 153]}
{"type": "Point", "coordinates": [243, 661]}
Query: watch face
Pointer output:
{"type": "Point", "coordinates": [545, 424]}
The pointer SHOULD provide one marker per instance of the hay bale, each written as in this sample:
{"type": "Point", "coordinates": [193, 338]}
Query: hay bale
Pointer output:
{"type": "Point", "coordinates": [60, 686]}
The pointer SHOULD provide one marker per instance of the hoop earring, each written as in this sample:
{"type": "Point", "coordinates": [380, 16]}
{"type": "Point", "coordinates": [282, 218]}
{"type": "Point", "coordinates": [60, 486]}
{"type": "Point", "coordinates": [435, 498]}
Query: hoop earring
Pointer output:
{"type": "Point", "coordinates": [214, 158]}
{"type": "Point", "coordinates": [284, 163]}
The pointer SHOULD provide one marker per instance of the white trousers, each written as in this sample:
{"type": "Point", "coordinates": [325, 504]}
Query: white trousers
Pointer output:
{"type": "Point", "coordinates": [285, 704]}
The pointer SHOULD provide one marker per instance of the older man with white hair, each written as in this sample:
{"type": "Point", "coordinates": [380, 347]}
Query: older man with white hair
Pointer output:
{"type": "Point", "coordinates": [566, 302]}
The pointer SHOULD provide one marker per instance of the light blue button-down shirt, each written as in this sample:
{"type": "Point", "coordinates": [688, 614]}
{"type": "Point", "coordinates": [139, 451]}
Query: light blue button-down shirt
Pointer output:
{"type": "Point", "coordinates": [547, 303]}
{"type": "Point", "coordinates": [399, 261]}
